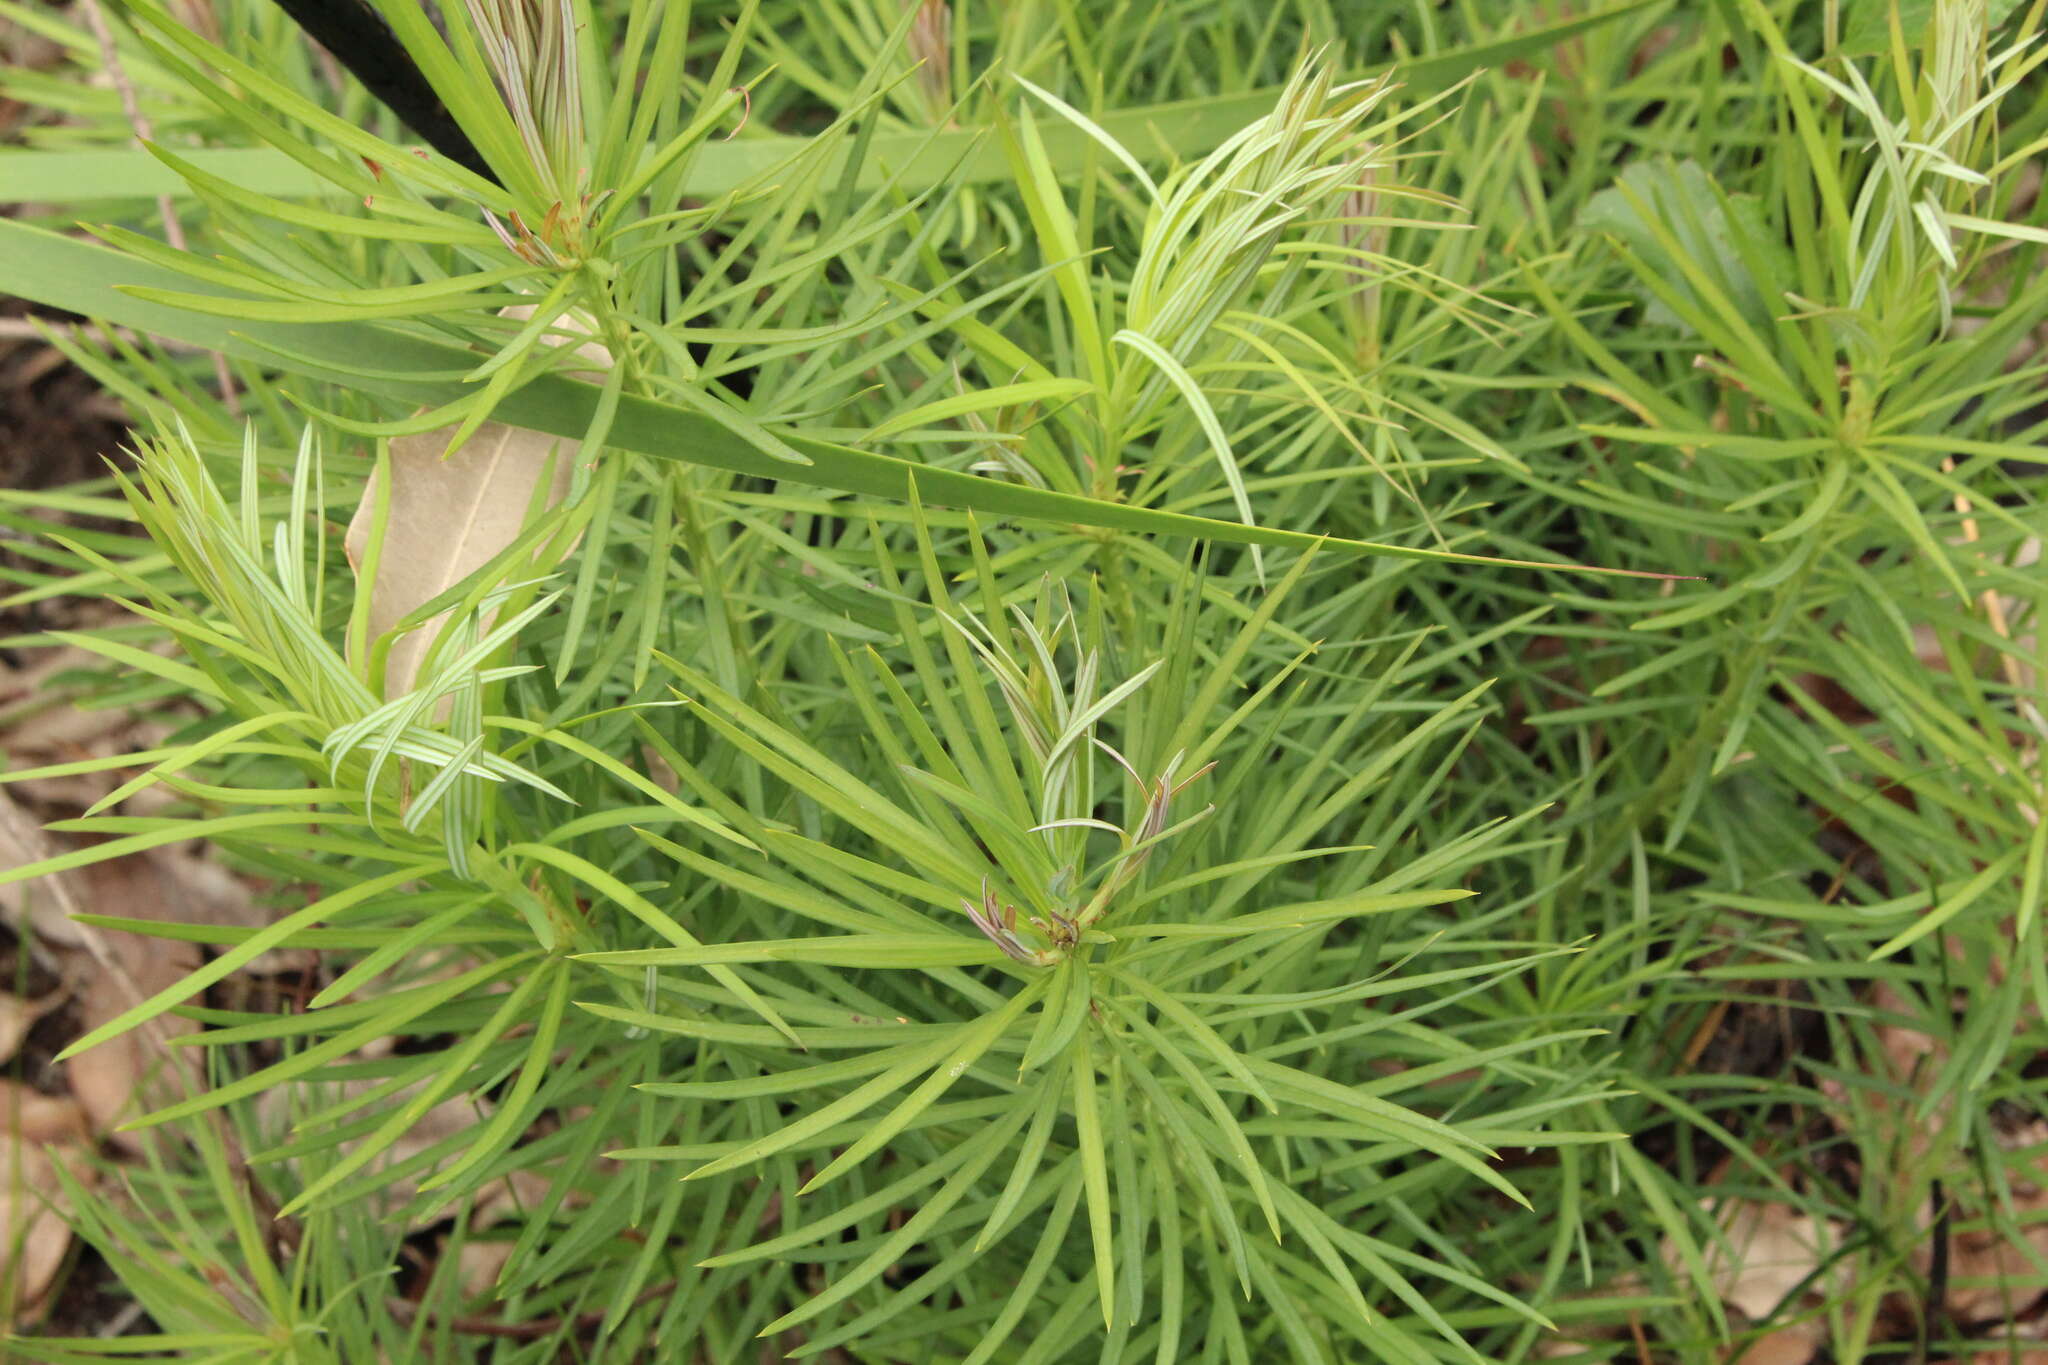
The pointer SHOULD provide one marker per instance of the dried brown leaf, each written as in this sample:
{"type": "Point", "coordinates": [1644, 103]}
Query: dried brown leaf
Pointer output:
{"type": "Point", "coordinates": [18, 1016]}
{"type": "Point", "coordinates": [1910, 1061]}
{"type": "Point", "coordinates": [449, 516]}
{"type": "Point", "coordinates": [197, 889]}
{"type": "Point", "coordinates": [35, 1117]}
{"type": "Point", "coordinates": [36, 1133]}
{"type": "Point", "coordinates": [1792, 1345]}
{"type": "Point", "coordinates": [482, 1260]}
{"type": "Point", "coordinates": [1765, 1253]}
{"type": "Point", "coordinates": [39, 910]}
{"type": "Point", "coordinates": [33, 1234]}
{"type": "Point", "coordinates": [1991, 1276]}
{"type": "Point", "coordinates": [40, 724]}
{"type": "Point", "coordinates": [457, 1114]}
{"type": "Point", "coordinates": [138, 1071]}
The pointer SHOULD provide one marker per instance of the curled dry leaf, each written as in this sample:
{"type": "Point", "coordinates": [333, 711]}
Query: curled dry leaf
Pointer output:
{"type": "Point", "coordinates": [18, 1016]}
{"type": "Point", "coordinates": [138, 1071]}
{"type": "Point", "coordinates": [198, 889]}
{"type": "Point", "coordinates": [1764, 1265]}
{"type": "Point", "coordinates": [39, 724]}
{"type": "Point", "coordinates": [1791, 1345]}
{"type": "Point", "coordinates": [37, 1133]}
{"type": "Point", "coordinates": [457, 1114]}
{"type": "Point", "coordinates": [658, 769]}
{"type": "Point", "coordinates": [39, 911]}
{"type": "Point", "coordinates": [126, 1077]}
{"type": "Point", "coordinates": [37, 1118]}
{"type": "Point", "coordinates": [34, 704]}
{"type": "Point", "coordinates": [482, 1260]}
{"type": "Point", "coordinates": [185, 886]}
{"type": "Point", "coordinates": [1908, 1060]}
{"type": "Point", "coordinates": [1992, 1276]}
{"type": "Point", "coordinates": [449, 516]}
{"type": "Point", "coordinates": [33, 1234]}
{"type": "Point", "coordinates": [115, 971]}
{"type": "Point", "coordinates": [1994, 1272]}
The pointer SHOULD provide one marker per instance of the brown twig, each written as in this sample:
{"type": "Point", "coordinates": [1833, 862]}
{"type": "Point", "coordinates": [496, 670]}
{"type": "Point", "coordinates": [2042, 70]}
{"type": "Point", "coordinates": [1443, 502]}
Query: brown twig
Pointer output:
{"type": "Point", "coordinates": [1635, 1331]}
{"type": "Point", "coordinates": [1703, 1035]}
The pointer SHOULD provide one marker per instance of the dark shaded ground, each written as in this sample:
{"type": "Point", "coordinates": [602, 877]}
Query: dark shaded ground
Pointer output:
{"type": "Point", "coordinates": [55, 424]}
{"type": "Point", "coordinates": [56, 429]}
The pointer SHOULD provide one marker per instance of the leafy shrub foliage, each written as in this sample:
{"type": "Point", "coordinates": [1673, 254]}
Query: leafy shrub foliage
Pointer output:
{"type": "Point", "coordinates": [1067, 681]}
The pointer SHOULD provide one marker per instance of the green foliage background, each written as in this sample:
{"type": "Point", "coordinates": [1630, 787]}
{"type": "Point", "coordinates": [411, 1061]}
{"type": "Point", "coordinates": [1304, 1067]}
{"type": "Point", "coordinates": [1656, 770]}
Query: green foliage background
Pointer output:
{"type": "Point", "coordinates": [1190, 645]}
